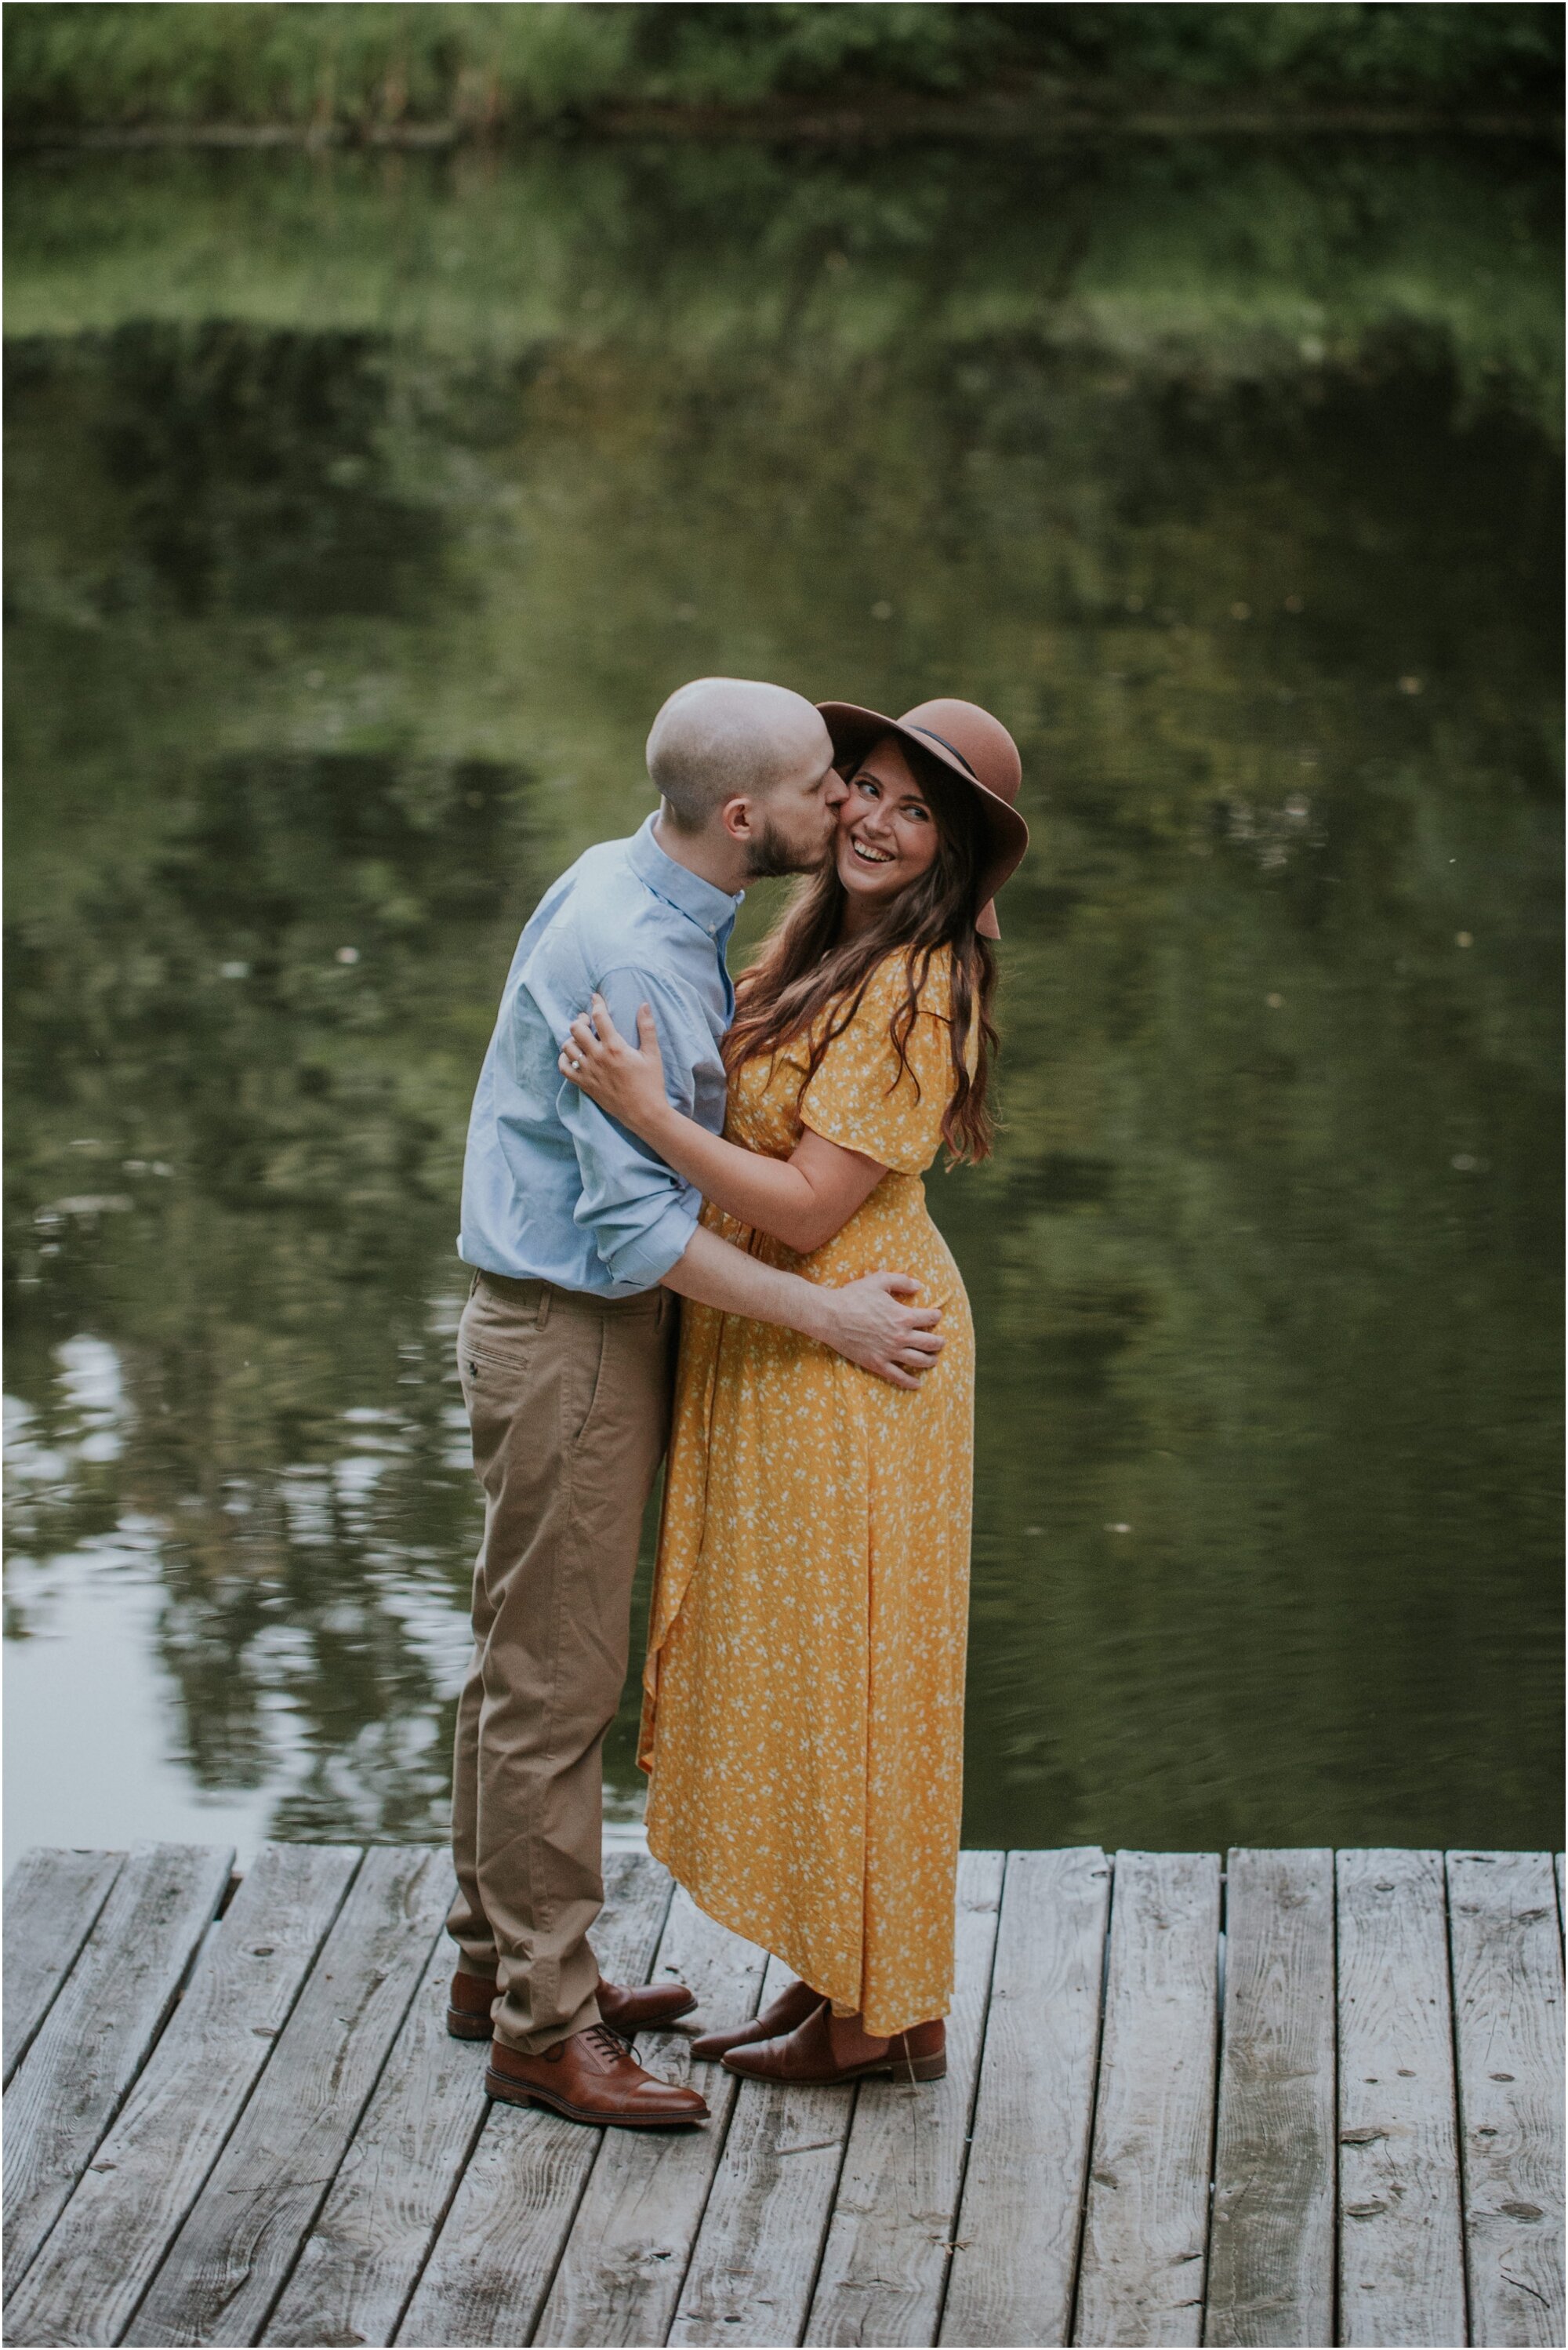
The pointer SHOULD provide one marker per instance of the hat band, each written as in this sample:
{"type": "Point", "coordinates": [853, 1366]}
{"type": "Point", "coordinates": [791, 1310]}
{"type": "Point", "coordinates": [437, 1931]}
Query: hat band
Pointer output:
{"type": "Point", "coordinates": [931, 735]}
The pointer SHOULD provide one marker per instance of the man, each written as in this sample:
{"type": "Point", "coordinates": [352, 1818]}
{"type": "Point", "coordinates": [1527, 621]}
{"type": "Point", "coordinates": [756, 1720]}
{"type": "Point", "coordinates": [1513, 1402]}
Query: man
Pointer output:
{"type": "Point", "coordinates": [581, 1241]}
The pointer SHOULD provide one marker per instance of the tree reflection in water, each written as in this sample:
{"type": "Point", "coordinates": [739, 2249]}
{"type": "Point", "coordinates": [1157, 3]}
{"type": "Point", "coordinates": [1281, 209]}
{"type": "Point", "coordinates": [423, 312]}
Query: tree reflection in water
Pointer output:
{"type": "Point", "coordinates": [345, 575]}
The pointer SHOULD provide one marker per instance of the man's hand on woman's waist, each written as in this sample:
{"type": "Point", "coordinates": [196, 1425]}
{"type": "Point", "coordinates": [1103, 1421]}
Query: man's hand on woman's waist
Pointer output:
{"type": "Point", "coordinates": [872, 1322]}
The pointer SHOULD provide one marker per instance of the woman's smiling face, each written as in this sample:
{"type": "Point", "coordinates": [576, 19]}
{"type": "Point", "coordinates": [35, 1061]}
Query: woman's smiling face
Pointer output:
{"type": "Point", "coordinates": [886, 832]}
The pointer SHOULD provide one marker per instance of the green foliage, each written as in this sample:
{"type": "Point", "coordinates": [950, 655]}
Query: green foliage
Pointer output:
{"type": "Point", "coordinates": [279, 62]}
{"type": "Point", "coordinates": [356, 68]}
{"type": "Point", "coordinates": [1423, 51]}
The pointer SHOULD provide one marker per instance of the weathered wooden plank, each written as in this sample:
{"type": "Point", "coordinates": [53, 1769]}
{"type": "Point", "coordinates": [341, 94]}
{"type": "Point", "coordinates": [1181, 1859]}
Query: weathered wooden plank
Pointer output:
{"type": "Point", "coordinates": [1016, 2243]}
{"type": "Point", "coordinates": [1507, 2032]}
{"type": "Point", "coordinates": [362, 2258]}
{"type": "Point", "coordinates": [1557, 1868]}
{"type": "Point", "coordinates": [231, 2258]}
{"type": "Point", "coordinates": [52, 1899]}
{"type": "Point", "coordinates": [755, 2257]}
{"type": "Point", "coordinates": [1146, 2221]}
{"type": "Point", "coordinates": [1270, 2260]}
{"type": "Point", "coordinates": [884, 2265]}
{"type": "Point", "coordinates": [486, 2279]}
{"type": "Point", "coordinates": [621, 2271]}
{"type": "Point", "coordinates": [96, 2034]}
{"type": "Point", "coordinates": [107, 2245]}
{"type": "Point", "coordinates": [364, 2254]}
{"type": "Point", "coordinates": [1401, 2262]}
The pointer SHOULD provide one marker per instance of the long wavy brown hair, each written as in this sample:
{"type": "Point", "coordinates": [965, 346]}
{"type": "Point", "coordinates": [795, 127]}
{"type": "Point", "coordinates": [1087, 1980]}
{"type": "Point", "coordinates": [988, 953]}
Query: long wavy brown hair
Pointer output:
{"type": "Point", "coordinates": [806, 982]}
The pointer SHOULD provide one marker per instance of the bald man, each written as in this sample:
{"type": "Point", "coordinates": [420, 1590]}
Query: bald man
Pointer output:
{"type": "Point", "coordinates": [580, 1240]}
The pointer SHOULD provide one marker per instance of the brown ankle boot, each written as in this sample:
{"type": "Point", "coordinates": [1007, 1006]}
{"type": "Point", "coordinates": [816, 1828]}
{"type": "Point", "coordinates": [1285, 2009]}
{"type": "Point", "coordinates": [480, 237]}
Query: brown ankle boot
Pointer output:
{"type": "Point", "coordinates": [592, 2076]}
{"type": "Point", "coordinates": [792, 2005]}
{"type": "Point", "coordinates": [472, 1997]}
{"type": "Point", "coordinates": [808, 2058]}
{"type": "Point", "coordinates": [627, 2009]}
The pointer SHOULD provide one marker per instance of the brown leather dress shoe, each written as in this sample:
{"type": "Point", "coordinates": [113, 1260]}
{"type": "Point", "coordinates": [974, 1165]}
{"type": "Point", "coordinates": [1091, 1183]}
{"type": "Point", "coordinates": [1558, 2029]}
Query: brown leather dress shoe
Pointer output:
{"type": "Point", "coordinates": [472, 1997]}
{"type": "Point", "coordinates": [792, 2005]}
{"type": "Point", "coordinates": [592, 2077]}
{"type": "Point", "coordinates": [826, 2050]}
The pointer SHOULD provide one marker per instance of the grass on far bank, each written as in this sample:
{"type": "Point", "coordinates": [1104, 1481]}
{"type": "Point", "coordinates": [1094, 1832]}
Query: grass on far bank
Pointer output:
{"type": "Point", "coordinates": [348, 70]}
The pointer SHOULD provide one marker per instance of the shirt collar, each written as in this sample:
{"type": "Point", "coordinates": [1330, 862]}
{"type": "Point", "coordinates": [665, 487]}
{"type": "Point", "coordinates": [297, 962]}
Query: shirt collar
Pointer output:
{"type": "Point", "coordinates": [713, 909]}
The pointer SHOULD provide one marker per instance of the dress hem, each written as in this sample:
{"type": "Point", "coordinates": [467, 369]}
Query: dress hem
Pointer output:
{"type": "Point", "coordinates": [731, 1920]}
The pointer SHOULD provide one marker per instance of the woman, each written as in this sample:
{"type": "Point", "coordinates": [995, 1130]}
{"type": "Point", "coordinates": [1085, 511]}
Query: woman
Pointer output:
{"type": "Point", "coordinates": [804, 1691]}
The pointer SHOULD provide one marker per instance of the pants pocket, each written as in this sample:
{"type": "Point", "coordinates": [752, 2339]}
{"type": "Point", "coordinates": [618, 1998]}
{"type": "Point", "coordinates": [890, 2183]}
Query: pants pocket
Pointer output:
{"type": "Point", "coordinates": [493, 1372]}
{"type": "Point", "coordinates": [496, 1349]}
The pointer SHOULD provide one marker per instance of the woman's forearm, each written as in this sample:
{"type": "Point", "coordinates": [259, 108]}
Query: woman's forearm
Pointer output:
{"type": "Point", "coordinates": [802, 1201]}
{"type": "Point", "coordinates": [770, 1195]}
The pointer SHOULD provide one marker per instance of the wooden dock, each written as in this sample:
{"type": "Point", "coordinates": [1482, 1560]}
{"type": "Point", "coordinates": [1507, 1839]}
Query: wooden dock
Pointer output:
{"type": "Point", "coordinates": [1314, 2099]}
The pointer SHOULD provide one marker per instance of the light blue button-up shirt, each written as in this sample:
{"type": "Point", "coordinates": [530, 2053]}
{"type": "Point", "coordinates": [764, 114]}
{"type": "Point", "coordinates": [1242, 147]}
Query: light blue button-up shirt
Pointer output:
{"type": "Point", "coordinates": [552, 1188]}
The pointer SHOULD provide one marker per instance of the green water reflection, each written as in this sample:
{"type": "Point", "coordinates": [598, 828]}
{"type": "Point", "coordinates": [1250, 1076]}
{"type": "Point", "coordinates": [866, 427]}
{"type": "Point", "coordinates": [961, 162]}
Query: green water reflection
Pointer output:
{"type": "Point", "coordinates": [360, 515]}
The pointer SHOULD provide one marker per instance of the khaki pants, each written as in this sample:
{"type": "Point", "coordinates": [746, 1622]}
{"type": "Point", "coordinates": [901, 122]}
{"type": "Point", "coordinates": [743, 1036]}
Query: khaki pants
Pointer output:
{"type": "Point", "coordinates": [568, 1402]}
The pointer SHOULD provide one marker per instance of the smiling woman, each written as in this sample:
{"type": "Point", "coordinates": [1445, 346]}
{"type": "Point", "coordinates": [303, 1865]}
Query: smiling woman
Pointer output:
{"type": "Point", "coordinates": [887, 833]}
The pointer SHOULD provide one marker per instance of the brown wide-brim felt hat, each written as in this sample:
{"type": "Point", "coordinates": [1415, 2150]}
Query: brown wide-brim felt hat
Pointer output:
{"type": "Point", "coordinates": [972, 744]}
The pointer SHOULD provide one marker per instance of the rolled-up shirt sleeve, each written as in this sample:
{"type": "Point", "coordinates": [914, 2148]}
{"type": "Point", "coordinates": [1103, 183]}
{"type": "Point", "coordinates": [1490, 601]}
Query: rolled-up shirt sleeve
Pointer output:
{"type": "Point", "coordinates": [640, 1213]}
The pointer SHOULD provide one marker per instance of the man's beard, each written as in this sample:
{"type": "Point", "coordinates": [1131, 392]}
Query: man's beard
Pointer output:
{"type": "Point", "coordinates": [770, 858]}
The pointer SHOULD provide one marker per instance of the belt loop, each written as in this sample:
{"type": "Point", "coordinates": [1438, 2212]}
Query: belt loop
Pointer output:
{"type": "Point", "coordinates": [545, 1294]}
{"type": "Point", "coordinates": [474, 1284]}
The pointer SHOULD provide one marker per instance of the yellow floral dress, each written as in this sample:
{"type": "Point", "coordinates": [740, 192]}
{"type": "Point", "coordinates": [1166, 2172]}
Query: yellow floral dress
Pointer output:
{"type": "Point", "coordinates": [803, 1709]}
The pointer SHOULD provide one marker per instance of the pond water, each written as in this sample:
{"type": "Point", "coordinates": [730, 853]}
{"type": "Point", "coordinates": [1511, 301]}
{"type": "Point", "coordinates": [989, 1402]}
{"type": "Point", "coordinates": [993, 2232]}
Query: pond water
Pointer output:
{"type": "Point", "coordinates": [362, 513]}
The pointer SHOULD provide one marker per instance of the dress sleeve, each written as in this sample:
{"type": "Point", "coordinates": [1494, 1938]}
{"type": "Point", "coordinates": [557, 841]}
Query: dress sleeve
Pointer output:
{"type": "Point", "coordinates": [860, 1097]}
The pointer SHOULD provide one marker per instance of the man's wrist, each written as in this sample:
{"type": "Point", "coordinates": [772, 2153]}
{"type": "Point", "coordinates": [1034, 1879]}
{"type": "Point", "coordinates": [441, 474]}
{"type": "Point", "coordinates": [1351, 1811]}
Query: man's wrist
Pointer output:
{"type": "Point", "coordinates": [814, 1317]}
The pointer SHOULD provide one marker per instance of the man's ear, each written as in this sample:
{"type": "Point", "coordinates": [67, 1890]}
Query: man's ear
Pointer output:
{"type": "Point", "coordinates": [737, 820]}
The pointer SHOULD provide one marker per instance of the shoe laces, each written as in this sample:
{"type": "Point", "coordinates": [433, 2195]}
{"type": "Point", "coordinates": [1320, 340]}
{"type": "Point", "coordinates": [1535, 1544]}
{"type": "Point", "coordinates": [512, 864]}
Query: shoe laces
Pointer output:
{"type": "Point", "coordinates": [608, 2042]}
